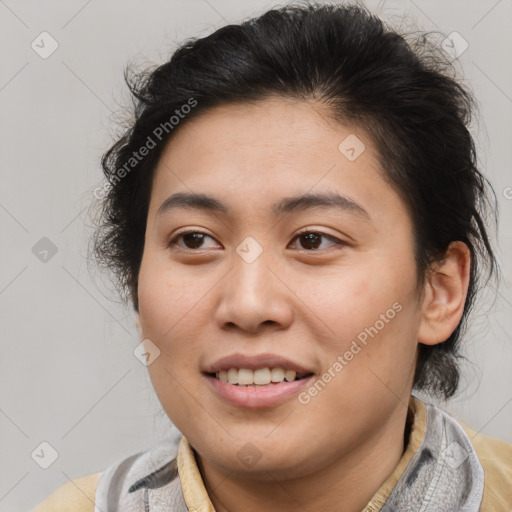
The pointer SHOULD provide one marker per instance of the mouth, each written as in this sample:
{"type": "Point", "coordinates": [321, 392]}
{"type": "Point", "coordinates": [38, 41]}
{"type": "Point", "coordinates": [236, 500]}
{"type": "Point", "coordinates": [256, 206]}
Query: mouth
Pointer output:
{"type": "Point", "coordinates": [260, 377]}
{"type": "Point", "coordinates": [256, 380]}
{"type": "Point", "coordinates": [255, 396]}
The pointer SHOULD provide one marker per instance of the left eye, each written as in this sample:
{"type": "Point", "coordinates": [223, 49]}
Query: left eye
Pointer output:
{"type": "Point", "coordinates": [312, 239]}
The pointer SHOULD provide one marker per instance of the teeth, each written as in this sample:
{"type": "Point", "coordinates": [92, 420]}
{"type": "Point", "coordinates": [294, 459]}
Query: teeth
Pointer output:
{"type": "Point", "coordinates": [245, 377]}
{"type": "Point", "coordinates": [233, 376]}
{"type": "Point", "coordinates": [289, 375]}
{"type": "Point", "coordinates": [277, 374]}
{"type": "Point", "coordinates": [260, 377]}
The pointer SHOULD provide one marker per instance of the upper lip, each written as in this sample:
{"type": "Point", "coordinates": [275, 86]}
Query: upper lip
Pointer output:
{"type": "Point", "coordinates": [255, 362]}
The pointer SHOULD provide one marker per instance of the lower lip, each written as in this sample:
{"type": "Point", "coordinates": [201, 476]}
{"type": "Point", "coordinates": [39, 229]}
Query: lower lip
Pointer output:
{"type": "Point", "coordinates": [257, 396]}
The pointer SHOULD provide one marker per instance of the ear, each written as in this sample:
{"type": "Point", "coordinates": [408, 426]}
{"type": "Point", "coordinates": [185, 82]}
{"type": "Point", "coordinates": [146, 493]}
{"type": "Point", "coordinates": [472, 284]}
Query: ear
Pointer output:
{"type": "Point", "coordinates": [139, 325]}
{"type": "Point", "coordinates": [445, 293]}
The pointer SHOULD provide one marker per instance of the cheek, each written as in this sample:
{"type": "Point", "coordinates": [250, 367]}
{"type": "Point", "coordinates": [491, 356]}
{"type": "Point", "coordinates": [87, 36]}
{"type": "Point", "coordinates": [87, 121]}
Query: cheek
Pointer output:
{"type": "Point", "coordinates": [169, 309]}
{"type": "Point", "coordinates": [170, 312]}
{"type": "Point", "coordinates": [169, 299]}
{"type": "Point", "coordinates": [379, 356]}
{"type": "Point", "coordinates": [366, 374]}
{"type": "Point", "coordinates": [353, 299]}
{"type": "Point", "coordinates": [374, 318]}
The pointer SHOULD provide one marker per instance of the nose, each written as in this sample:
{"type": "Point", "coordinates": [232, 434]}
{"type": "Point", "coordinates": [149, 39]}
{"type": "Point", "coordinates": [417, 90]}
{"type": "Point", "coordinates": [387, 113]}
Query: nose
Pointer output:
{"type": "Point", "coordinates": [253, 296]}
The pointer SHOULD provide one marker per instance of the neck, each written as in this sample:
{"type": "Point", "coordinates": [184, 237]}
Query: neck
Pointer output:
{"type": "Point", "coordinates": [347, 484]}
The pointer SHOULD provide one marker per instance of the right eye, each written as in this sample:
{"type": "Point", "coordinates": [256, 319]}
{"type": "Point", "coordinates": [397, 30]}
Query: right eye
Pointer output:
{"type": "Point", "coordinates": [191, 239]}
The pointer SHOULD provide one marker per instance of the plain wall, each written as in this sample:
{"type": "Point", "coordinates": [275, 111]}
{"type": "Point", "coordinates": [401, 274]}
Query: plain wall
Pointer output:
{"type": "Point", "coordinates": [68, 375]}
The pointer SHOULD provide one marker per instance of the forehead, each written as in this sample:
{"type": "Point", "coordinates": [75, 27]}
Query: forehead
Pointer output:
{"type": "Point", "coordinates": [285, 129]}
{"type": "Point", "coordinates": [258, 153]}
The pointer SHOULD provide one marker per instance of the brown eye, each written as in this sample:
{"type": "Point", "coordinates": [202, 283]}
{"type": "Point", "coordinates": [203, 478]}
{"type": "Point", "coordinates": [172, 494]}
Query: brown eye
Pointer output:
{"type": "Point", "coordinates": [191, 240]}
{"type": "Point", "coordinates": [312, 240]}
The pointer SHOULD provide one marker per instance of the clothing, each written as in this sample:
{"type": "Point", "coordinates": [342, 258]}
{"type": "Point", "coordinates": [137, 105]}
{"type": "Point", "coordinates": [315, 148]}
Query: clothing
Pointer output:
{"type": "Point", "coordinates": [445, 467]}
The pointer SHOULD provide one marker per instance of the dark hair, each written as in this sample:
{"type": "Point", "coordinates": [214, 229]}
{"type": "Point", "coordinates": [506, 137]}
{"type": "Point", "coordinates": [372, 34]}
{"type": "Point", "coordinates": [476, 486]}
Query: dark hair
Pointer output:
{"type": "Point", "coordinates": [345, 58]}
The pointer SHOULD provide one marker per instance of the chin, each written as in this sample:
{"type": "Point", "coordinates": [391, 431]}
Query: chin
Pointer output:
{"type": "Point", "coordinates": [263, 463]}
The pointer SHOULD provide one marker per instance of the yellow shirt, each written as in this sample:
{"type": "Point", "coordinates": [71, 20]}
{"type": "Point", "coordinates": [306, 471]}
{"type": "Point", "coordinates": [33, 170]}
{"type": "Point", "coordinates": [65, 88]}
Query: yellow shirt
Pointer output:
{"type": "Point", "coordinates": [495, 457]}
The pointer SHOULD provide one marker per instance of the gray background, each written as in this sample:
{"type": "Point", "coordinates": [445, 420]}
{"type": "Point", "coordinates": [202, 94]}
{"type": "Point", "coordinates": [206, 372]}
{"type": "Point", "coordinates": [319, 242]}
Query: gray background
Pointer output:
{"type": "Point", "coordinates": [68, 375]}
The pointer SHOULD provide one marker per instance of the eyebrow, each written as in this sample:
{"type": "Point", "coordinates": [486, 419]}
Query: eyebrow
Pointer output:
{"type": "Point", "coordinates": [286, 205]}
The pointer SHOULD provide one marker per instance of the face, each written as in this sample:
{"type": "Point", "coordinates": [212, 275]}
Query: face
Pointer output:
{"type": "Point", "coordinates": [301, 264]}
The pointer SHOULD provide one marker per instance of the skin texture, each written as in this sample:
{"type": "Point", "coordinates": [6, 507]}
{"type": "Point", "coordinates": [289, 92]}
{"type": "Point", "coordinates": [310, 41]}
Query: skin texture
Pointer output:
{"type": "Point", "coordinates": [299, 300]}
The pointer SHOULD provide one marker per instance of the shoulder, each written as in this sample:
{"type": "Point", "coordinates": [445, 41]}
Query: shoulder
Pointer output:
{"type": "Point", "coordinates": [74, 496]}
{"type": "Point", "coordinates": [152, 467]}
{"type": "Point", "coordinates": [495, 456]}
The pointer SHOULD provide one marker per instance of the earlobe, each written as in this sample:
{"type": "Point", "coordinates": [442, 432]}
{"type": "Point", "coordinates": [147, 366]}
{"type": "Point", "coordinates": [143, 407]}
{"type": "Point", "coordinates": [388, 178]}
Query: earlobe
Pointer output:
{"type": "Point", "coordinates": [445, 294]}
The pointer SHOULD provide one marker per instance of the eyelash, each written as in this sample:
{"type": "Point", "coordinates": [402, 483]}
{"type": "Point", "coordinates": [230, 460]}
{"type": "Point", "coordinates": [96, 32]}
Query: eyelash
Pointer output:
{"type": "Point", "coordinates": [173, 241]}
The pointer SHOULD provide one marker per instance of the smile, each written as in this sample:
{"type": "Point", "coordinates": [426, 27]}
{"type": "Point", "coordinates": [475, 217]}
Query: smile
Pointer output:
{"type": "Point", "coordinates": [260, 377]}
{"type": "Point", "coordinates": [256, 396]}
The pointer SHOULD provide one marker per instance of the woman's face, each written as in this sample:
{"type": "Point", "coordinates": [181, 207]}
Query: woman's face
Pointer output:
{"type": "Point", "coordinates": [250, 291]}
